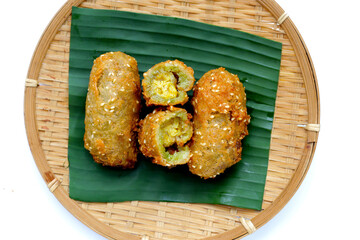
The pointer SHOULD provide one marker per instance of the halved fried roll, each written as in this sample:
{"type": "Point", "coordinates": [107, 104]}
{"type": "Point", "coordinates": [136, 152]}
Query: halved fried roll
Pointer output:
{"type": "Point", "coordinates": [112, 110]}
{"type": "Point", "coordinates": [164, 134]}
{"type": "Point", "coordinates": [166, 83]}
{"type": "Point", "coordinates": [220, 123]}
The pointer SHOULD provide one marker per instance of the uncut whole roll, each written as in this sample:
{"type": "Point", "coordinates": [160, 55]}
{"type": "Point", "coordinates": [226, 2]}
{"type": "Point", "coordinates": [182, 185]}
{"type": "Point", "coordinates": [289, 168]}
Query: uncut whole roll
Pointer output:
{"type": "Point", "coordinates": [164, 136]}
{"type": "Point", "coordinates": [166, 83]}
{"type": "Point", "coordinates": [112, 110]}
{"type": "Point", "coordinates": [220, 123]}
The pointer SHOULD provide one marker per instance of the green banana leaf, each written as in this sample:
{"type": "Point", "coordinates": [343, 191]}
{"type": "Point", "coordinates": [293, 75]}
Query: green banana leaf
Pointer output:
{"type": "Point", "coordinates": [152, 39]}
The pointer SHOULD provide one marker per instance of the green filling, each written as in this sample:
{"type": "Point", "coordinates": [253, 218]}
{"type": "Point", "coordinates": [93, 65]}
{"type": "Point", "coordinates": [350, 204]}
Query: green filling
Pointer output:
{"type": "Point", "coordinates": [174, 133]}
{"type": "Point", "coordinates": [178, 156]}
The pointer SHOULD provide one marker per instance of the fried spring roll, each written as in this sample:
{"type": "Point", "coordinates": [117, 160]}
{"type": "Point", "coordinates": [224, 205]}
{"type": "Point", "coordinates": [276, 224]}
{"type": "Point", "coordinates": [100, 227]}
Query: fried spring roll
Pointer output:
{"type": "Point", "coordinates": [164, 135]}
{"type": "Point", "coordinates": [112, 110]}
{"type": "Point", "coordinates": [220, 123]}
{"type": "Point", "coordinates": [166, 83]}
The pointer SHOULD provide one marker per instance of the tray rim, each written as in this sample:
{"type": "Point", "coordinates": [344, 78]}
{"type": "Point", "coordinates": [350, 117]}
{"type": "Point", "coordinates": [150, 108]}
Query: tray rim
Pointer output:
{"type": "Point", "coordinates": [312, 90]}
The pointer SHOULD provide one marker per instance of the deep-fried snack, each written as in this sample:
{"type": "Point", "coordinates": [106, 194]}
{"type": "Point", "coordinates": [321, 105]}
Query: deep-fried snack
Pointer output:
{"type": "Point", "coordinates": [163, 136]}
{"type": "Point", "coordinates": [166, 83]}
{"type": "Point", "coordinates": [112, 110]}
{"type": "Point", "coordinates": [220, 123]}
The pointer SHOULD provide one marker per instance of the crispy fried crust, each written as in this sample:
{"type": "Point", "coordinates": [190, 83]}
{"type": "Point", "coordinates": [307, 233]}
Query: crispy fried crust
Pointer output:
{"type": "Point", "coordinates": [220, 123]}
{"type": "Point", "coordinates": [164, 134]}
{"type": "Point", "coordinates": [166, 83]}
{"type": "Point", "coordinates": [112, 110]}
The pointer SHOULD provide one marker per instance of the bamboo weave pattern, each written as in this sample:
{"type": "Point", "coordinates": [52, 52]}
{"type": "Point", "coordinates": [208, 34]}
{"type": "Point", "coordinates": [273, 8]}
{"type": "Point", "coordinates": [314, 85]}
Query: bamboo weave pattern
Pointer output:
{"type": "Point", "coordinates": [162, 220]}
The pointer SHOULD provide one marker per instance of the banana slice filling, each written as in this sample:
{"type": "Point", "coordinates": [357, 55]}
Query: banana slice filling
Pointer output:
{"type": "Point", "coordinates": [164, 136]}
{"type": "Point", "coordinates": [167, 83]}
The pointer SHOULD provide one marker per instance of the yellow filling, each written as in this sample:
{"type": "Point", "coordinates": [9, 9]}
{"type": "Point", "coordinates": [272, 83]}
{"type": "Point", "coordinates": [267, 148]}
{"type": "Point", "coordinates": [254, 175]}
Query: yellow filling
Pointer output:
{"type": "Point", "coordinates": [164, 85]}
{"type": "Point", "coordinates": [171, 131]}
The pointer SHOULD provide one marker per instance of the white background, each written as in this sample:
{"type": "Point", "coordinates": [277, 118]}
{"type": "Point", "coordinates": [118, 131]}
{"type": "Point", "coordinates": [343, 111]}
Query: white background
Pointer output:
{"type": "Point", "coordinates": [326, 204]}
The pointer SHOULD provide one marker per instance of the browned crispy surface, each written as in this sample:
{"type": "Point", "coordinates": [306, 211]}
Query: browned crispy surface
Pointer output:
{"type": "Point", "coordinates": [112, 110]}
{"type": "Point", "coordinates": [152, 142]}
{"type": "Point", "coordinates": [220, 123]}
{"type": "Point", "coordinates": [181, 75]}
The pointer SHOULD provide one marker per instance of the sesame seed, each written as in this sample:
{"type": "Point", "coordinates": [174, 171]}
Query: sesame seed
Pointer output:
{"type": "Point", "coordinates": [112, 107]}
{"type": "Point", "coordinates": [129, 139]}
{"type": "Point", "coordinates": [144, 141]}
{"type": "Point", "coordinates": [112, 110]}
{"type": "Point", "coordinates": [227, 106]}
{"type": "Point", "coordinates": [224, 128]}
{"type": "Point", "coordinates": [200, 167]}
{"type": "Point", "coordinates": [102, 104]}
{"type": "Point", "coordinates": [203, 144]}
{"type": "Point", "coordinates": [212, 116]}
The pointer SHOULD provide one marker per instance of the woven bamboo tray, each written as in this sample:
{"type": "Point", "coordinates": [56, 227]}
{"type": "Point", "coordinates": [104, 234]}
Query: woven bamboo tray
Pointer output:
{"type": "Point", "coordinates": [293, 142]}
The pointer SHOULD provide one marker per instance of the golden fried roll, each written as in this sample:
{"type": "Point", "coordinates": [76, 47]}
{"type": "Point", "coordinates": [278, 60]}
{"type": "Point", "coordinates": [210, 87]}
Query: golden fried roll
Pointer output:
{"type": "Point", "coordinates": [220, 123]}
{"type": "Point", "coordinates": [163, 136]}
{"type": "Point", "coordinates": [112, 110]}
{"type": "Point", "coordinates": [166, 83]}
